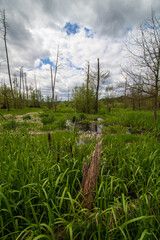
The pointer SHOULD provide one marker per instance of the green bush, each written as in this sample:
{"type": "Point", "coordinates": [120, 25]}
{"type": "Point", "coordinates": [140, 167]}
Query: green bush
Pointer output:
{"type": "Point", "coordinates": [82, 116]}
{"type": "Point", "coordinates": [102, 111]}
{"type": "Point", "coordinates": [48, 120]}
{"type": "Point", "coordinates": [73, 118]}
{"type": "Point", "coordinates": [10, 125]}
{"type": "Point", "coordinates": [44, 115]}
{"type": "Point", "coordinates": [61, 123]}
{"type": "Point", "coordinates": [27, 117]}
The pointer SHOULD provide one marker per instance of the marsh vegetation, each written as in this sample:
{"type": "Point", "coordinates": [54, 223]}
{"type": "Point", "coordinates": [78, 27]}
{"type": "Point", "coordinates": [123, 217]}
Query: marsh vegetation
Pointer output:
{"type": "Point", "coordinates": [41, 177]}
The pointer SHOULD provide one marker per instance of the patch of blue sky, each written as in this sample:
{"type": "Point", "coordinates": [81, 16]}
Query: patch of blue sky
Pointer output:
{"type": "Point", "coordinates": [71, 65]}
{"type": "Point", "coordinates": [129, 29]}
{"type": "Point", "coordinates": [89, 32]}
{"type": "Point", "coordinates": [70, 28]}
{"type": "Point", "coordinates": [45, 61]}
{"type": "Point", "coordinates": [148, 25]}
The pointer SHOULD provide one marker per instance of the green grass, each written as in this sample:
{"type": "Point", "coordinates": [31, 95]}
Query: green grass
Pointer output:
{"type": "Point", "coordinates": [19, 111]}
{"type": "Point", "coordinates": [40, 180]}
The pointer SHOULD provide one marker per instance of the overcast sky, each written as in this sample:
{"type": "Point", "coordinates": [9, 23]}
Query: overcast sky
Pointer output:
{"type": "Point", "coordinates": [84, 31]}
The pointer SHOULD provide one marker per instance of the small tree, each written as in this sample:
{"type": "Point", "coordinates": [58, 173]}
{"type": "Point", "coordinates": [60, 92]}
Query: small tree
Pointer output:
{"type": "Point", "coordinates": [6, 97]}
{"type": "Point", "coordinates": [83, 98]}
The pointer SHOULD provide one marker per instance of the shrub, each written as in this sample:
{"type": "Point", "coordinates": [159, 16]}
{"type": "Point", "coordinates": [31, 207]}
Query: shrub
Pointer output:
{"type": "Point", "coordinates": [61, 123]}
{"type": "Point", "coordinates": [10, 125]}
{"type": "Point", "coordinates": [73, 118]}
{"type": "Point", "coordinates": [82, 116]}
{"type": "Point", "coordinates": [48, 120]}
{"type": "Point", "coordinates": [44, 115]}
{"type": "Point", "coordinates": [27, 117]}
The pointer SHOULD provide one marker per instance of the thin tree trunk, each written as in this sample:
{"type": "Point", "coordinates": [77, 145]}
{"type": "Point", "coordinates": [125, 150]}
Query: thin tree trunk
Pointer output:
{"type": "Point", "coordinates": [8, 66]}
{"type": "Point", "coordinates": [55, 73]}
{"type": "Point", "coordinates": [155, 109]}
{"type": "Point", "coordinates": [134, 106]}
{"type": "Point", "coordinates": [23, 85]}
{"type": "Point", "coordinates": [125, 94]}
{"type": "Point", "coordinates": [88, 110]}
{"type": "Point", "coordinates": [155, 99]}
{"type": "Point", "coordinates": [26, 86]}
{"type": "Point", "coordinates": [52, 85]}
{"type": "Point", "coordinates": [97, 89]}
{"type": "Point", "coordinates": [20, 86]}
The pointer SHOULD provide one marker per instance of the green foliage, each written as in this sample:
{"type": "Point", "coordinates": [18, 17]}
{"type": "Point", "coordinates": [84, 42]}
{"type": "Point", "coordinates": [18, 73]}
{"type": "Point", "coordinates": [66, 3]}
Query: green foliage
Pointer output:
{"type": "Point", "coordinates": [82, 116]}
{"type": "Point", "coordinates": [80, 96]}
{"type": "Point", "coordinates": [48, 119]}
{"type": "Point", "coordinates": [102, 111]}
{"type": "Point", "coordinates": [20, 111]}
{"type": "Point", "coordinates": [61, 106]}
{"type": "Point", "coordinates": [10, 125]}
{"type": "Point", "coordinates": [27, 117]}
{"type": "Point", "coordinates": [40, 180]}
{"type": "Point", "coordinates": [61, 124]}
{"type": "Point", "coordinates": [74, 118]}
{"type": "Point", "coordinates": [44, 114]}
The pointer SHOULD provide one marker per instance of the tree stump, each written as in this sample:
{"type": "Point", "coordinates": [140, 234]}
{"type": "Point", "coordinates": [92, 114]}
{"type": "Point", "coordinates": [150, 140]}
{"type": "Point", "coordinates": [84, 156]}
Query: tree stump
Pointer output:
{"type": "Point", "coordinates": [90, 176]}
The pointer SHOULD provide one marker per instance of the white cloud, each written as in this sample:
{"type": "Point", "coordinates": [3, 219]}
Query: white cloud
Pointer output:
{"type": "Point", "coordinates": [36, 29]}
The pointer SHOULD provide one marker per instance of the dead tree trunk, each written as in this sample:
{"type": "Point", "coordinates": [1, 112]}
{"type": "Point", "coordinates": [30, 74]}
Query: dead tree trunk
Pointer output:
{"type": "Point", "coordinates": [55, 75]}
{"type": "Point", "coordinates": [90, 177]}
{"type": "Point", "coordinates": [52, 85]}
{"type": "Point", "coordinates": [88, 71]}
{"type": "Point", "coordinates": [53, 82]}
{"type": "Point", "coordinates": [20, 86]}
{"type": "Point", "coordinates": [26, 85]}
{"type": "Point", "coordinates": [8, 66]}
{"type": "Point", "coordinates": [97, 88]}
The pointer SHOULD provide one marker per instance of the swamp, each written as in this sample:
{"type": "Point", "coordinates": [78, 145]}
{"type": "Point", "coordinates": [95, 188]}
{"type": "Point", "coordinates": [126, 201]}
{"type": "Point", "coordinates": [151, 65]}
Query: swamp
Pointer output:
{"type": "Point", "coordinates": [42, 154]}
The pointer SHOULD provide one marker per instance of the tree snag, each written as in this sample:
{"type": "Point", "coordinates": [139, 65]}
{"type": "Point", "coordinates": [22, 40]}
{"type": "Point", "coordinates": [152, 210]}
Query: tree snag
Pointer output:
{"type": "Point", "coordinates": [90, 176]}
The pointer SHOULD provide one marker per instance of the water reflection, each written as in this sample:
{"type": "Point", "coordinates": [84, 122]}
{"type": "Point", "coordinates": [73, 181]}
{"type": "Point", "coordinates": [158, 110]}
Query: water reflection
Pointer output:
{"type": "Point", "coordinates": [83, 126]}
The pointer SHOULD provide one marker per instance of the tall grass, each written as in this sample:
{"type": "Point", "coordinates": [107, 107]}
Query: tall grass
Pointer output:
{"type": "Point", "coordinates": [40, 184]}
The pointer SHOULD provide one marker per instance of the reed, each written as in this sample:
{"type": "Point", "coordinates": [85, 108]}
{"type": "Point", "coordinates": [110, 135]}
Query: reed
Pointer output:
{"type": "Point", "coordinates": [41, 177]}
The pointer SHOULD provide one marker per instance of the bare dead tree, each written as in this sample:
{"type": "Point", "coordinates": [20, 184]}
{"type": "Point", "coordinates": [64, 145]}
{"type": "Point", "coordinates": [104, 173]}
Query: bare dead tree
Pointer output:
{"type": "Point", "coordinates": [52, 85]}
{"type": "Point", "coordinates": [6, 49]}
{"type": "Point", "coordinates": [99, 77]}
{"type": "Point", "coordinates": [97, 88]}
{"type": "Point", "coordinates": [20, 85]}
{"type": "Point", "coordinates": [55, 73]}
{"type": "Point", "coordinates": [144, 51]}
{"type": "Point", "coordinates": [23, 83]}
{"type": "Point", "coordinates": [26, 85]}
{"type": "Point", "coordinates": [53, 81]}
{"type": "Point", "coordinates": [88, 85]}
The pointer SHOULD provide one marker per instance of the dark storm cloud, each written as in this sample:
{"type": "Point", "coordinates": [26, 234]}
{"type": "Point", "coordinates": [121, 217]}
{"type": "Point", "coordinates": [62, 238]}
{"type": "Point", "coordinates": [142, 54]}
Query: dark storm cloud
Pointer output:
{"type": "Point", "coordinates": [105, 16]}
{"type": "Point", "coordinates": [111, 17]}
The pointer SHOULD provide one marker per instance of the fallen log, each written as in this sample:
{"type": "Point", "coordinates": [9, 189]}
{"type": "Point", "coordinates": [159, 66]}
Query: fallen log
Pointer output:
{"type": "Point", "coordinates": [90, 177]}
{"type": "Point", "coordinates": [2, 116]}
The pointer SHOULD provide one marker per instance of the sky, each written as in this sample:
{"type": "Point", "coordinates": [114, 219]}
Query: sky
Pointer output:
{"type": "Point", "coordinates": [83, 30]}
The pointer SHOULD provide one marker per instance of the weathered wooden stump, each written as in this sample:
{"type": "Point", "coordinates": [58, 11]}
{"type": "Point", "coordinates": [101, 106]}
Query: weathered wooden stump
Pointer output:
{"type": "Point", "coordinates": [90, 176]}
